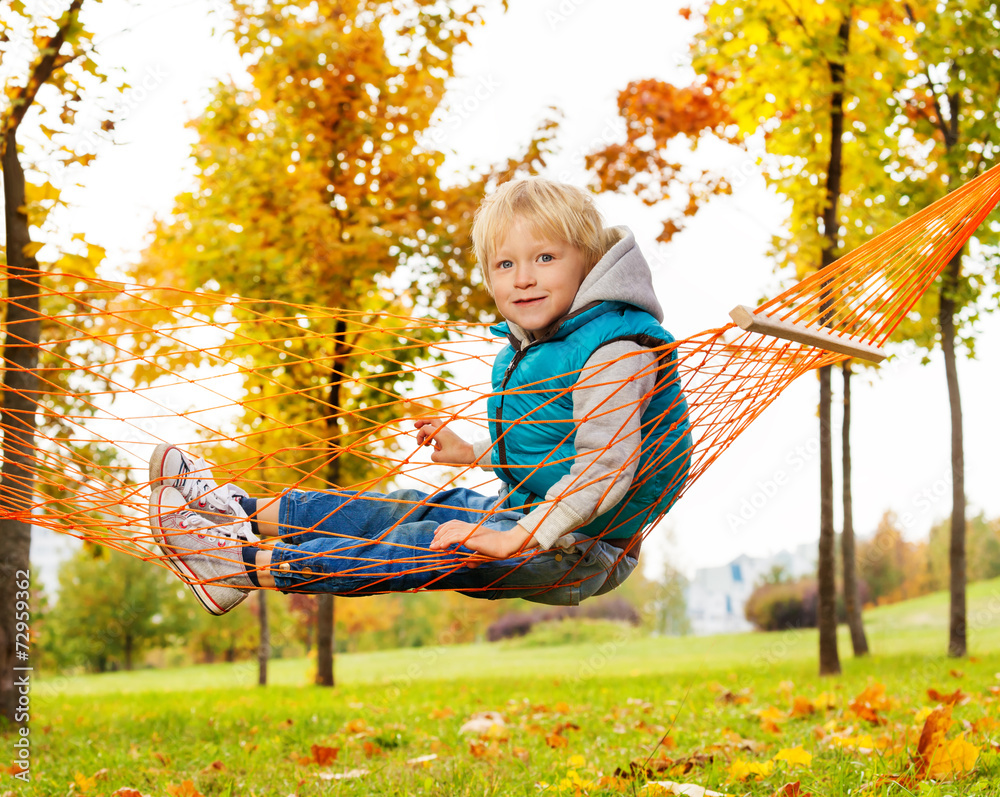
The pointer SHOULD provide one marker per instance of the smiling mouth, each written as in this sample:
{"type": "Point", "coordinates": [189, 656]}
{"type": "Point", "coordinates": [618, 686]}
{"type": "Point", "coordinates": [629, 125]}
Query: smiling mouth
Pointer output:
{"type": "Point", "coordinates": [529, 301]}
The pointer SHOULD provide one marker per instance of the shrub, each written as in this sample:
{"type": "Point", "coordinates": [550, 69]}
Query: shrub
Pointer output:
{"type": "Point", "coordinates": [790, 604]}
{"type": "Point", "coordinates": [515, 624]}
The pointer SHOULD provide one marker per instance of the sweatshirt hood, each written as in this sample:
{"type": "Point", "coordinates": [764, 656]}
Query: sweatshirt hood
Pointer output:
{"type": "Point", "coordinates": [622, 275]}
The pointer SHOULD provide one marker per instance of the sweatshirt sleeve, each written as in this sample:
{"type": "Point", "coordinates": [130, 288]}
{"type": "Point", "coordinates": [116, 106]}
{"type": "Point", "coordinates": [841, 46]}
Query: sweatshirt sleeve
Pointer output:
{"type": "Point", "coordinates": [614, 389]}
{"type": "Point", "coordinates": [481, 452]}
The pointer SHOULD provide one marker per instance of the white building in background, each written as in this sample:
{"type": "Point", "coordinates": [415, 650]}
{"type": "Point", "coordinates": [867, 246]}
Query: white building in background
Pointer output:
{"type": "Point", "coordinates": [716, 595]}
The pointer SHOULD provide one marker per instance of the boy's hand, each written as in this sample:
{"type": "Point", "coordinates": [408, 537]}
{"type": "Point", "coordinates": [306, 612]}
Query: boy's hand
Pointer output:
{"type": "Point", "coordinates": [489, 543]}
{"type": "Point", "coordinates": [449, 448]}
{"type": "Point", "coordinates": [455, 532]}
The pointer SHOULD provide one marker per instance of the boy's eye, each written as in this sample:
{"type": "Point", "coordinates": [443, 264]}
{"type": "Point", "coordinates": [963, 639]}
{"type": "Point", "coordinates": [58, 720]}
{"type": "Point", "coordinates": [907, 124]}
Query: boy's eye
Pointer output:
{"type": "Point", "coordinates": [546, 258]}
{"type": "Point", "coordinates": [504, 264]}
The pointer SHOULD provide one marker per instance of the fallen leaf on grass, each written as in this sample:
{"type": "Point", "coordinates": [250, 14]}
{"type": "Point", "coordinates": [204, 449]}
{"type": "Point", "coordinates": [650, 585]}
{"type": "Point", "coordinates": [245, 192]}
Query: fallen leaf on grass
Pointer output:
{"type": "Point", "coordinates": [320, 755]}
{"type": "Point", "coordinates": [422, 760]}
{"type": "Point", "coordinates": [351, 773]}
{"type": "Point", "coordinates": [795, 756]}
{"type": "Point", "coordinates": [688, 789]}
{"type": "Point", "coordinates": [357, 726]}
{"type": "Point", "coordinates": [870, 702]}
{"type": "Point", "coordinates": [733, 698]}
{"type": "Point", "coordinates": [865, 745]}
{"type": "Point", "coordinates": [163, 758]}
{"type": "Point", "coordinates": [741, 770]}
{"type": "Point", "coordinates": [215, 766]}
{"type": "Point", "coordinates": [442, 713]}
{"type": "Point", "coordinates": [126, 791]}
{"type": "Point", "coordinates": [792, 790]}
{"type": "Point", "coordinates": [931, 735]}
{"type": "Point", "coordinates": [372, 749]}
{"type": "Point", "coordinates": [956, 698]}
{"type": "Point", "coordinates": [802, 707]}
{"type": "Point", "coordinates": [769, 718]}
{"type": "Point", "coordinates": [186, 789]}
{"type": "Point", "coordinates": [480, 749]}
{"type": "Point", "coordinates": [937, 757]}
{"type": "Point", "coordinates": [556, 740]}
{"type": "Point", "coordinates": [953, 758]}
{"type": "Point", "coordinates": [482, 722]}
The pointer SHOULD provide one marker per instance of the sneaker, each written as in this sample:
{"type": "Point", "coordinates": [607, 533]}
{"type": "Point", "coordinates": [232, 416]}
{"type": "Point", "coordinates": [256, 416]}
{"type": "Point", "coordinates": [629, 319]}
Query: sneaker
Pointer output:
{"type": "Point", "coordinates": [208, 557]}
{"type": "Point", "coordinates": [192, 476]}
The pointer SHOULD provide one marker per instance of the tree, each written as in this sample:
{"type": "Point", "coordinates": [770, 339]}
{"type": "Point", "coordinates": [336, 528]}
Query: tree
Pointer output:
{"type": "Point", "coordinates": [805, 80]}
{"type": "Point", "coordinates": [848, 552]}
{"type": "Point", "coordinates": [946, 105]}
{"type": "Point", "coordinates": [317, 186]}
{"type": "Point", "coordinates": [48, 67]}
{"type": "Point", "coordinates": [983, 544]}
{"type": "Point", "coordinates": [892, 567]}
{"type": "Point", "coordinates": [112, 607]}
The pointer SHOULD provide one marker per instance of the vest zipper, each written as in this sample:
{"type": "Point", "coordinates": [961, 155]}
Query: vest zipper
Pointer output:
{"type": "Point", "coordinates": [518, 356]}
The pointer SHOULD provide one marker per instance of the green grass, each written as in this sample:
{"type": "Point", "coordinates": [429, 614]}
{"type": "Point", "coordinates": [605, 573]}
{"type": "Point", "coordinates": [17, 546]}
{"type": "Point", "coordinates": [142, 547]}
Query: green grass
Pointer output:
{"type": "Point", "coordinates": [611, 698]}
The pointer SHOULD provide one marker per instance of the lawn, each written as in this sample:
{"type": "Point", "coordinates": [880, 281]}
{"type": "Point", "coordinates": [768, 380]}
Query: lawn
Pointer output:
{"type": "Point", "coordinates": [743, 714]}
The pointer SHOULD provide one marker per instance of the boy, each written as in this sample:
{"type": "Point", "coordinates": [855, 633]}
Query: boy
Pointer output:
{"type": "Point", "coordinates": [588, 433]}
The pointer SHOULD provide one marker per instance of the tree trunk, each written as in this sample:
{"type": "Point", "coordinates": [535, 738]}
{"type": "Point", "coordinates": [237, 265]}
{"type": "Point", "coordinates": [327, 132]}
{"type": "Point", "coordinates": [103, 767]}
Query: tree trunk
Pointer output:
{"type": "Point", "coordinates": [325, 607]}
{"type": "Point", "coordinates": [17, 417]}
{"type": "Point", "coordinates": [957, 642]}
{"type": "Point", "coordinates": [851, 603]}
{"type": "Point", "coordinates": [264, 649]}
{"type": "Point", "coordinates": [826, 612]}
{"type": "Point", "coordinates": [324, 640]}
{"type": "Point", "coordinates": [829, 660]}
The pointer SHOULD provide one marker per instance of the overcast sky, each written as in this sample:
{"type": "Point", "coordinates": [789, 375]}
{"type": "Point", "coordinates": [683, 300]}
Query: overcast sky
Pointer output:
{"type": "Point", "coordinates": [762, 495]}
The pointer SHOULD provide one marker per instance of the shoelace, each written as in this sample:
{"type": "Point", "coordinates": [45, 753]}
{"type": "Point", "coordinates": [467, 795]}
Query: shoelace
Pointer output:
{"type": "Point", "coordinates": [221, 535]}
{"type": "Point", "coordinates": [207, 493]}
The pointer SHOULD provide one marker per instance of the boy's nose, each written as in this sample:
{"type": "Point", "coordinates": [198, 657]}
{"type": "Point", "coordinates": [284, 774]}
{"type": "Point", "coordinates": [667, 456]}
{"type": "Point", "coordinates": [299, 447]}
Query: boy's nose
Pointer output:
{"type": "Point", "coordinates": [524, 276]}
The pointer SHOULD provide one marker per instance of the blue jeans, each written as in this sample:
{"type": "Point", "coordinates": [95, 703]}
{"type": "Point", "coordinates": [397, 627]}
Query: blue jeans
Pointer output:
{"type": "Point", "coordinates": [352, 543]}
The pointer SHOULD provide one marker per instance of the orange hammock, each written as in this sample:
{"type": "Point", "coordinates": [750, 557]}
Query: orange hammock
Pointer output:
{"type": "Point", "coordinates": [284, 396]}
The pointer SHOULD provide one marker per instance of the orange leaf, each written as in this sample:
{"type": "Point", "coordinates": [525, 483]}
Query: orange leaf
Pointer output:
{"type": "Point", "coordinates": [953, 758]}
{"type": "Point", "coordinates": [163, 758]}
{"type": "Point", "coordinates": [371, 749]}
{"type": "Point", "coordinates": [186, 789]}
{"type": "Point", "coordinates": [956, 697]}
{"type": "Point", "coordinates": [792, 790]}
{"type": "Point", "coordinates": [802, 707]}
{"type": "Point", "coordinates": [324, 755]}
{"type": "Point", "coordinates": [872, 700]}
{"type": "Point", "coordinates": [126, 791]}
{"type": "Point", "coordinates": [935, 727]}
{"type": "Point", "coordinates": [482, 749]}
{"type": "Point", "coordinates": [554, 740]}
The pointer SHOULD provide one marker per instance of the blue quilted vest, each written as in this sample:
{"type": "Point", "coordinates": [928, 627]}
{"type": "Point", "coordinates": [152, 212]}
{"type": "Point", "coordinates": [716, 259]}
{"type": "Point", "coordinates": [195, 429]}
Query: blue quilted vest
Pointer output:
{"type": "Point", "coordinates": [531, 416]}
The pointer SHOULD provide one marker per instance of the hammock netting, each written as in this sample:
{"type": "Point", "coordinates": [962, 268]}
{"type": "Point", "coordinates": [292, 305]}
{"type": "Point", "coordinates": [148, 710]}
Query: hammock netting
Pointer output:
{"type": "Point", "coordinates": [281, 396]}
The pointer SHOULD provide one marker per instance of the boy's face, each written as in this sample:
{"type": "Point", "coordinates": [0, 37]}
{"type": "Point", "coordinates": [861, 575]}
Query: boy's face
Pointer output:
{"type": "Point", "coordinates": [535, 279]}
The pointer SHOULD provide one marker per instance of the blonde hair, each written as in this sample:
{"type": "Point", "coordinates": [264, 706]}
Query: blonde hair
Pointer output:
{"type": "Point", "coordinates": [553, 210]}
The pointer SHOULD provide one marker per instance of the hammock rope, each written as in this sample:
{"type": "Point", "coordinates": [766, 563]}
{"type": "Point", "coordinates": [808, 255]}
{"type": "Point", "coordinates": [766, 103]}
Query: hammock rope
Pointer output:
{"type": "Point", "coordinates": [119, 362]}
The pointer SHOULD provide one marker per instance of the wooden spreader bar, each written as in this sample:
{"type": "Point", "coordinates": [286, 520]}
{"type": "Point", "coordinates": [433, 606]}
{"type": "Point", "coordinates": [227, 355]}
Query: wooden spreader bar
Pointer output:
{"type": "Point", "coordinates": [747, 320]}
